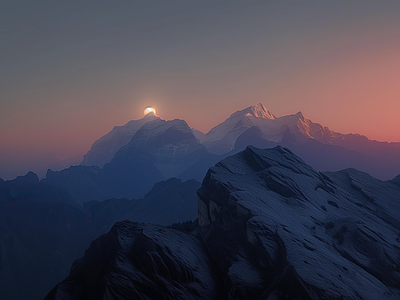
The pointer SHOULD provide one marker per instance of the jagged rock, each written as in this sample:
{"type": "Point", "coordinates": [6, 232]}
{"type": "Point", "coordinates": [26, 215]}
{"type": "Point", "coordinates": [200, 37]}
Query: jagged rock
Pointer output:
{"type": "Point", "coordinates": [270, 226]}
{"type": "Point", "coordinates": [338, 230]}
{"type": "Point", "coordinates": [137, 261]}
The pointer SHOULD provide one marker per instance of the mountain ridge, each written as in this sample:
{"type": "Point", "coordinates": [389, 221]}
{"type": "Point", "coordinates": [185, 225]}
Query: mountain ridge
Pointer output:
{"type": "Point", "coordinates": [161, 149]}
{"type": "Point", "coordinates": [270, 226]}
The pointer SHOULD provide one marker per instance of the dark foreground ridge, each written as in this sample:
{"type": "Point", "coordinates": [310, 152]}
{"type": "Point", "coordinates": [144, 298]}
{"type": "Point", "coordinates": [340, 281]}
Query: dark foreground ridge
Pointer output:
{"type": "Point", "coordinates": [43, 230]}
{"type": "Point", "coordinates": [269, 227]}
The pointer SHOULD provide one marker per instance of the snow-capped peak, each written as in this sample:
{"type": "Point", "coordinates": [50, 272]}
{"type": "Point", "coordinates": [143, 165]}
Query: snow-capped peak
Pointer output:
{"type": "Point", "coordinates": [258, 111]}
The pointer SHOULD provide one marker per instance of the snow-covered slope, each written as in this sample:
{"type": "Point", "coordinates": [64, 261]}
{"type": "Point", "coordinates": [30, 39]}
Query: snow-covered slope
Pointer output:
{"type": "Point", "coordinates": [255, 125]}
{"type": "Point", "coordinates": [222, 138]}
{"type": "Point", "coordinates": [335, 234]}
{"type": "Point", "coordinates": [319, 146]}
{"type": "Point", "coordinates": [104, 149]}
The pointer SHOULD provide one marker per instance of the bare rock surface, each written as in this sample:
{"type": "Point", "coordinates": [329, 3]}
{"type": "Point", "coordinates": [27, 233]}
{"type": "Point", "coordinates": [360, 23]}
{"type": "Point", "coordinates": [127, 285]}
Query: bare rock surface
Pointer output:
{"type": "Point", "coordinates": [137, 261]}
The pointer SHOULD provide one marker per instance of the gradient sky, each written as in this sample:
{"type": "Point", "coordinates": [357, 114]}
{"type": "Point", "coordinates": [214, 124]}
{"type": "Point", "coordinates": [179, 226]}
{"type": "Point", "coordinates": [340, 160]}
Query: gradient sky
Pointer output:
{"type": "Point", "coordinates": [71, 70]}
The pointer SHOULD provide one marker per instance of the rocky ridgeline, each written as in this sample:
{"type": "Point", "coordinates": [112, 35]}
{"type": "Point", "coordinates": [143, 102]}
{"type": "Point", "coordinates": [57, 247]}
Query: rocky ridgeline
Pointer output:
{"type": "Point", "coordinates": [269, 227]}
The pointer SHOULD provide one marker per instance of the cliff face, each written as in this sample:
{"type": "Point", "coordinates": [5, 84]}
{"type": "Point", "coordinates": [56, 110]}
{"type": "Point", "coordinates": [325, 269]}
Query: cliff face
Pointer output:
{"type": "Point", "coordinates": [269, 227]}
{"type": "Point", "coordinates": [334, 234]}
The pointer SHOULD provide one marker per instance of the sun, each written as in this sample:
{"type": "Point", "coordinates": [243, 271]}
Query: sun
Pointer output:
{"type": "Point", "coordinates": [149, 110]}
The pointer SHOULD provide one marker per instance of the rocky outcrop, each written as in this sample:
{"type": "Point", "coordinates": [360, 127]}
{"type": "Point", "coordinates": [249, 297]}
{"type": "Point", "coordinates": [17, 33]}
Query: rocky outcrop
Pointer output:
{"type": "Point", "coordinates": [137, 261]}
{"type": "Point", "coordinates": [269, 227]}
{"type": "Point", "coordinates": [338, 232]}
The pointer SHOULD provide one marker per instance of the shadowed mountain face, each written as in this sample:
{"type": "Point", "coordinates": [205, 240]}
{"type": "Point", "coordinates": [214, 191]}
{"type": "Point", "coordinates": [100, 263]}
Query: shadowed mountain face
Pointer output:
{"type": "Point", "coordinates": [338, 231]}
{"type": "Point", "coordinates": [168, 202]}
{"type": "Point", "coordinates": [43, 230]}
{"type": "Point", "coordinates": [84, 183]}
{"type": "Point", "coordinates": [138, 261]}
{"type": "Point", "coordinates": [159, 150]}
{"type": "Point", "coordinates": [269, 227]}
{"type": "Point", "coordinates": [104, 149]}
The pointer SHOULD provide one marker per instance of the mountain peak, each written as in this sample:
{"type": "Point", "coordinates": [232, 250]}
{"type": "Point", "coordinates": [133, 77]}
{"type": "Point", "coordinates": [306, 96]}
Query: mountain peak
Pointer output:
{"type": "Point", "coordinates": [29, 178]}
{"type": "Point", "coordinates": [299, 115]}
{"type": "Point", "coordinates": [151, 116]}
{"type": "Point", "coordinates": [258, 111]}
{"type": "Point", "coordinates": [104, 149]}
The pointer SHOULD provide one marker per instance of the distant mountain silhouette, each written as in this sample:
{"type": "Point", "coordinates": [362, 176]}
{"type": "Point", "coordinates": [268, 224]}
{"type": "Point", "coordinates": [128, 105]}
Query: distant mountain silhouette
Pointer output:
{"type": "Point", "coordinates": [64, 211]}
{"type": "Point", "coordinates": [169, 146]}
{"type": "Point", "coordinates": [43, 230]}
{"type": "Point", "coordinates": [148, 150]}
{"type": "Point", "coordinates": [168, 202]}
{"type": "Point", "coordinates": [38, 164]}
{"type": "Point", "coordinates": [83, 182]}
{"type": "Point", "coordinates": [104, 149]}
{"type": "Point", "coordinates": [319, 146]}
{"type": "Point", "coordinates": [158, 150]}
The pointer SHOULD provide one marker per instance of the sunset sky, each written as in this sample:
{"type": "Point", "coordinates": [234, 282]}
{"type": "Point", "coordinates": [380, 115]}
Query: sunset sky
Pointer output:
{"type": "Point", "coordinates": [71, 70]}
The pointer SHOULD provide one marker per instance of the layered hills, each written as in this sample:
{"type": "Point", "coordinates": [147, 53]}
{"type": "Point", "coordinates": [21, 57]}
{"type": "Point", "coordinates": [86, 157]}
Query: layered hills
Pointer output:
{"type": "Point", "coordinates": [269, 227]}
{"type": "Point", "coordinates": [63, 212]}
{"type": "Point", "coordinates": [43, 230]}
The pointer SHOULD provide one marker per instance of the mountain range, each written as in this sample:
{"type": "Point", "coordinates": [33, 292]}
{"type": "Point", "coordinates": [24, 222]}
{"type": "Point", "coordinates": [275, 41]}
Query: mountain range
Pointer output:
{"type": "Point", "coordinates": [130, 159]}
{"type": "Point", "coordinates": [43, 230]}
{"type": "Point", "coordinates": [149, 170]}
{"type": "Point", "coordinates": [157, 151]}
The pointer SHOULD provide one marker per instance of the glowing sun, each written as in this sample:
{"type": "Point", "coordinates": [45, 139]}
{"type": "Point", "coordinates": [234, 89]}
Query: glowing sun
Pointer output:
{"type": "Point", "coordinates": [149, 110]}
